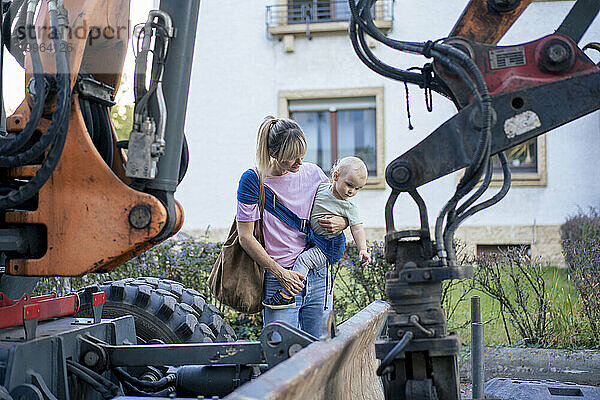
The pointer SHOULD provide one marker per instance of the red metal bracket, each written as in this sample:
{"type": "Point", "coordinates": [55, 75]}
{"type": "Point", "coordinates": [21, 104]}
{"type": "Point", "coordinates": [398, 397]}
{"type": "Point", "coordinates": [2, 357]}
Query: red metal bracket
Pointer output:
{"type": "Point", "coordinates": [31, 311]}
{"type": "Point", "coordinates": [15, 312]}
{"type": "Point", "coordinates": [98, 298]}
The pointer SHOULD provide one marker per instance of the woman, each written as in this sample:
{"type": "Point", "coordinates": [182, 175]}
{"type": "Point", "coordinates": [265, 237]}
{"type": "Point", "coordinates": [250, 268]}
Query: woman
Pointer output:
{"type": "Point", "coordinates": [280, 148]}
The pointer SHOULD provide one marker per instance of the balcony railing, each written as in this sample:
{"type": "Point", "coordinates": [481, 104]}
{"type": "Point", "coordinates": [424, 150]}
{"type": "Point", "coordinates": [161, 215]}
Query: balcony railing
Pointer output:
{"type": "Point", "coordinates": [323, 15]}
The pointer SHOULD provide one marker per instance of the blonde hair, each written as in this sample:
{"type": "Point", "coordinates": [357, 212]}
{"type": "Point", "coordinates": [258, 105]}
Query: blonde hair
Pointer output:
{"type": "Point", "coordinates": [278, 138]}
{"type": "Point", "coordinates": [348, 164]}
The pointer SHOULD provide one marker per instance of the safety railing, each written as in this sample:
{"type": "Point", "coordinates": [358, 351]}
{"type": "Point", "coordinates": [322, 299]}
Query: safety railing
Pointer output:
{"type": "Point", "coordinates": [287, 16]}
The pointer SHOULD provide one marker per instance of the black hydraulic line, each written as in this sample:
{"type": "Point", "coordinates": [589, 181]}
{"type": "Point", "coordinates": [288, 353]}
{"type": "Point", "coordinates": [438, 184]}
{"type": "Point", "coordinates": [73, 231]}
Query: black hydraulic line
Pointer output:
{"type": "Point", "coordinates": [97, 386]}
{"type": "Point", "coordinates": [454, 213]}
{"type": "Point", "coordinates": [103, 139]}
{"type": "Point", "coordinates": [95, 123]}
{"type": "Point", "coordinates": [497, 197]}
{"type": "Point", "coordinates": [86, 112]}
{"type": "Point", "coordinates": [25, 135]}
{"type": "Point", "coordinates": [56, 133]}
{"type": "Point", "coordinates": [16, 10]}
{"type": "Point", "coordinates": [161, 393]}
{"type": "Point", "coordinates": [466, 69]}
{"type": "Point", "coordinates": [159, 384]}
{"type": "Point", "coordinates": [488, 203]}
{"type": "Point", "coordinates": [107, 135]}
{"type": "Point", "coordinates": [462, 190]}
{"type": "Point", "coordinates": [387, 364]}
{"type": "Point", "coordinates": [371, 61]}
{"type": "Point", "coordinates": [484, 186]}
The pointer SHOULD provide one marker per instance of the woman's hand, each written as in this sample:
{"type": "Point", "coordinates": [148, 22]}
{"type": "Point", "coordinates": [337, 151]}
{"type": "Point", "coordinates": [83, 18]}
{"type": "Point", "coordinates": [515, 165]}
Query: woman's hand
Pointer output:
{"type": "Point", "coordinates": [292, 281]}
{"type": "Point", "coordinates": [333, 223]}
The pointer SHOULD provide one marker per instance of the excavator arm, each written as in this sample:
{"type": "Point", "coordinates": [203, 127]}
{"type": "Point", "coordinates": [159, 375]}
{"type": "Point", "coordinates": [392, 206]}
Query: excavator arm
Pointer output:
{"type": "Point", "coordinates": [505, 95]}
{"type": "Point", "coordinates": [78, 203]}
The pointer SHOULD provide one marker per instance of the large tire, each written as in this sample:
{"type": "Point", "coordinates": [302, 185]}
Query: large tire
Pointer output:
{"type": "Point", "coordinates": [162, 309]}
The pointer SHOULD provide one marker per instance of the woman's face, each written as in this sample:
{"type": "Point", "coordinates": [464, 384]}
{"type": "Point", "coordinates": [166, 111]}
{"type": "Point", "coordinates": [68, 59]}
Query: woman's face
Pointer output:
{"type": "Point", "coordinates": [290, 165]}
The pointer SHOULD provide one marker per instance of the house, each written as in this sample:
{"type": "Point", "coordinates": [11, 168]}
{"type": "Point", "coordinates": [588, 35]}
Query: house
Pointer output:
{"type": "Point", "coordinates": [294, 58]}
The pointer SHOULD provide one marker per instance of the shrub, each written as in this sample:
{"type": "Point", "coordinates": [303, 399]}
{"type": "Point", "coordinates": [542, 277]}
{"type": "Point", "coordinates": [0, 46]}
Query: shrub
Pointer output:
{"type": "Point", "coordinates": [183, 259]}
{"type": "Point", "coordinates": [356, 286]}
{"type": "Point", "coordinates": [517, 282]}
{"type": "Point", "coordinates": [581, 248]}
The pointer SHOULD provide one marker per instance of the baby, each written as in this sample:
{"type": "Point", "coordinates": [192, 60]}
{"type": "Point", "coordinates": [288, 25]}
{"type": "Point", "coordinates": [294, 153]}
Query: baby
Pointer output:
{"type": "Point", "coordinates": [348, 177]}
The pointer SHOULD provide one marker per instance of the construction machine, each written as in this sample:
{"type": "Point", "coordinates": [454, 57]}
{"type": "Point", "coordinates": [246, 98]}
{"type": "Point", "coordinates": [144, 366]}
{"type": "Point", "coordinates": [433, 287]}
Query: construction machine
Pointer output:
{"type": "Point", "coordinates": [73, 203]}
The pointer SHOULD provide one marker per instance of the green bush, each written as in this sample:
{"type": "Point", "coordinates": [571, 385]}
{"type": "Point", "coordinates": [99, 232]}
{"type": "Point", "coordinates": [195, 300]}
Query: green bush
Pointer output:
{"type": "Point", "coordinates": [553, 319]}
{"type": "Point", "coordinates": [355, 286]}
{"type": "Point", "coordinates": [183, 259]}
{"type": "Point", "coordinates": [581, 247]}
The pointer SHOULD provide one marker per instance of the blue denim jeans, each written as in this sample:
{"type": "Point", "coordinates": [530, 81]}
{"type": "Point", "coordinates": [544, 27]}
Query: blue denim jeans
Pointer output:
{"type": "Point", "coordinates": [309, 313]}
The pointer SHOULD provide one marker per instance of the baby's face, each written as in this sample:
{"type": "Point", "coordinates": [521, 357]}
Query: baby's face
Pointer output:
{"type": "Point", "coordinates": [348, 183]}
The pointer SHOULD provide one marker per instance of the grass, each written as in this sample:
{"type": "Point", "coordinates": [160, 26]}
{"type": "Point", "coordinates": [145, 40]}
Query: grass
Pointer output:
{"type": "Point", "coordinates": [565, 326]}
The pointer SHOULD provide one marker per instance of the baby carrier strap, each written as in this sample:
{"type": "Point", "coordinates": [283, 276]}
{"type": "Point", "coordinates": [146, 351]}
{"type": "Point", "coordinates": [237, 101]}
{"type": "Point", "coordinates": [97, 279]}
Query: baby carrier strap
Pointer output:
{"type": "Point", "coordinates": [333, 248]}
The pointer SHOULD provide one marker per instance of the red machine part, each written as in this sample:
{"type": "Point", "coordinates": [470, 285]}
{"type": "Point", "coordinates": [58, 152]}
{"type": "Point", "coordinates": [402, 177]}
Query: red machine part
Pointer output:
{"type": "Point", "coordinates": [14, 312]}
{"type": "Point", "coordinates": [511, 68]}
{"type": "Point", "coordinates": [98, 298]}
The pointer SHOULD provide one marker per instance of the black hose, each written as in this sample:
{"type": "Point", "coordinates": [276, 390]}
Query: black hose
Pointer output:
{"type": "Point", "coordinates": [488, 203]}
{"type": "Point", "coordinates": [108, 138]}
{"type": "Point", "coordinates": [25, 135]}
{"type": "Point", "coordinates": [451, 58]}
{"type": "Point", "coordinates": [161, 393]}
{"type": "Point", "coordinates": [159, 384]}
{"type": "Point", "coordinates": [17, 7]}
{"type": "Point", "coordinates": [386, 365]}
{"type": "Point", "coordinates": [97, 386]}
{"type": "Point", "coordinates": [55, 135]}
{"type": "Point", "coordinates": [86, 112]}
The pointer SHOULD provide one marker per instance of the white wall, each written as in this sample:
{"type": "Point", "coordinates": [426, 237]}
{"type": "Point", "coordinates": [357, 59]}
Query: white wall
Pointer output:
{"type": "Point", "coordinates": [238, 72]}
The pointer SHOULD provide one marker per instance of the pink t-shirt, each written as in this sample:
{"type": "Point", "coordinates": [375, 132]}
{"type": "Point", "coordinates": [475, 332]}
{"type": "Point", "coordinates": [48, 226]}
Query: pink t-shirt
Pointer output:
{"type": "Point", "coordinates": [296, 191]}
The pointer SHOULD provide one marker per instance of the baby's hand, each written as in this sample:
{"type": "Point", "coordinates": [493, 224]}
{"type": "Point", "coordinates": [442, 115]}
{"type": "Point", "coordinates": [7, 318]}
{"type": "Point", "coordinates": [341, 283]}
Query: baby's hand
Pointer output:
{"type": "Point", "coordinates": [364, 255]}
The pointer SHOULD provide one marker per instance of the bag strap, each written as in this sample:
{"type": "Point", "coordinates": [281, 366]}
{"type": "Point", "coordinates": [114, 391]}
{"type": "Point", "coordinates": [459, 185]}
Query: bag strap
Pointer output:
{"type": "Point", "coordinates": [261, 207]}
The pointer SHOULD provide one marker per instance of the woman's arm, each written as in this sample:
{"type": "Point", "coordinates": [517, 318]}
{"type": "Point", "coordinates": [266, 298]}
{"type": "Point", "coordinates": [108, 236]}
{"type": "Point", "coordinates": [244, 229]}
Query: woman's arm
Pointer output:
{"type": "Point", "coordinates": [291, 281]}
{"type": "Point", "coordinates": [333, 223]}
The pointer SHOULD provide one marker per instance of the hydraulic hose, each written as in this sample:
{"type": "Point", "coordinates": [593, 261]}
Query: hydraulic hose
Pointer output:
{"type": "Point", "coordinates": [76, 370]}
{"type": "Point", "coordinates": [39, 86]}
{"type": "Point", "coordinates": [17, 10]}
{"type": "Point", "coordinates": [159, 384]}
{"type": "Point", "coordinates": [467, 71]}
{"type": "Point", "coordinates": [56, 133]}
{"type": "Point", "coordinates": [481, 206]}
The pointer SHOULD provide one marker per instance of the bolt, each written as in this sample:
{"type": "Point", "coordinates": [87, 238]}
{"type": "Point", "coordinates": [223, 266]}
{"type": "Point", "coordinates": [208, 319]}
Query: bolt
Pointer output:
{"type": "Point", "coordinates": [140, 217]}
{"type": "Point", "coordinates": [91, 358]}
{"type": "Point", "coordinates": [502, 6]}
{"type": "Point", "coordinates": [401, 174]}
{"type": "Point", "coordinates": [557, 53]}
{"type": "Point", "coordinates": [296, 347]}
{"type": "Point", "coordinates": [427, 275]}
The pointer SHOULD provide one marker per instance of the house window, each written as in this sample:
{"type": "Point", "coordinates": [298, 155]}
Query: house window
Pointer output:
{"type": "Point", "coordinates": [299, 11]}
{"type": "Point", "coordinates": [285, 17]}
{"type": "Point", "coordinates": [521, 158]}
{"type": "Point", "coordinates": [527, 164]}
{"type": "Point", "coordinates": [338, 124]}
